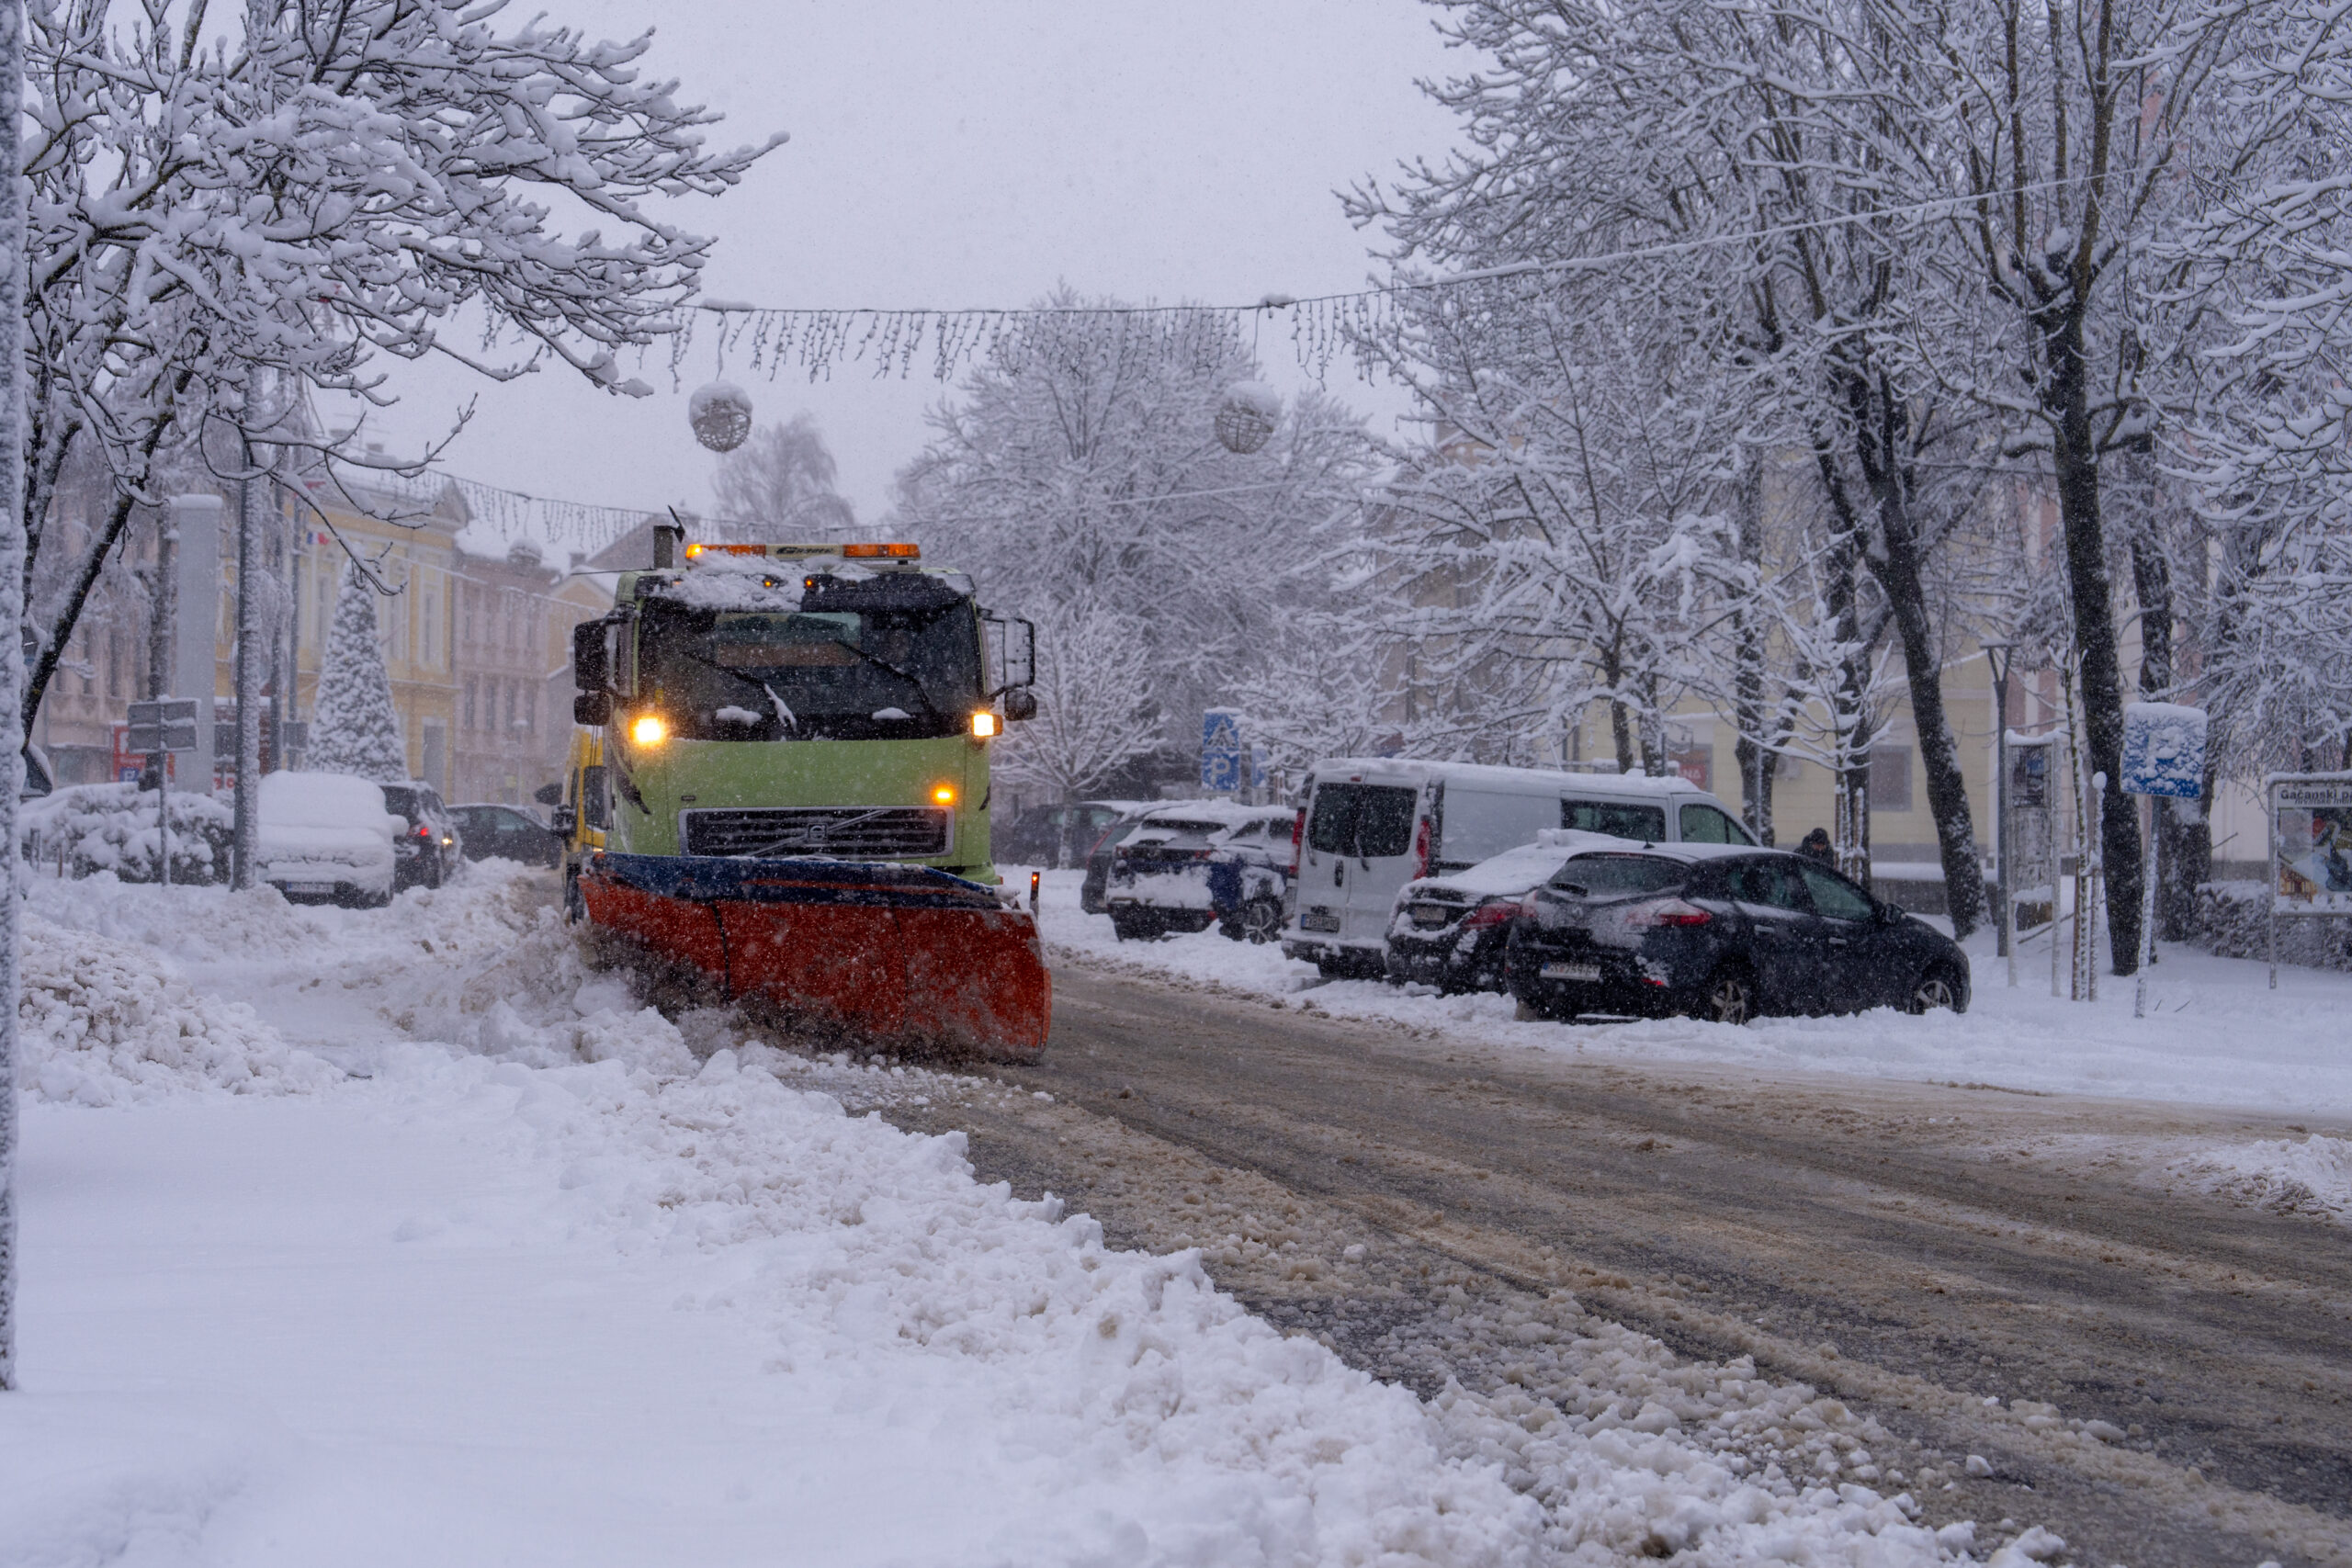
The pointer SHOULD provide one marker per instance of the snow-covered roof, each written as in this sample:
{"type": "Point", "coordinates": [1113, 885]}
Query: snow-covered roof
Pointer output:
{"type": "Point", "coordinates": [1510, 780]}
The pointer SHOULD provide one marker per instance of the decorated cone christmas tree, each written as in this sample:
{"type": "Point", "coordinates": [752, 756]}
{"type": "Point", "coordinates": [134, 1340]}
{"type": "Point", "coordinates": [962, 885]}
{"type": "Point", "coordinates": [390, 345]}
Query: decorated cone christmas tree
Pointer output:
{"type": "Point", "coordinates": [354, 729]}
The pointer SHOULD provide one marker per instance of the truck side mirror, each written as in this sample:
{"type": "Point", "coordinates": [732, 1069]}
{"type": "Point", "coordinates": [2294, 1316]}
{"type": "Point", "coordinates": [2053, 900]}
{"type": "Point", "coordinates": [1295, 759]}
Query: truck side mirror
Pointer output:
{"type": "Point", "coordinates": [591, 709]}
{"type": "Point", "coordinates": [563, 820]}
{"type": "Point", "coordinates": [590, 669]}
{"type": "Point", "coordinates": [1020, 704]}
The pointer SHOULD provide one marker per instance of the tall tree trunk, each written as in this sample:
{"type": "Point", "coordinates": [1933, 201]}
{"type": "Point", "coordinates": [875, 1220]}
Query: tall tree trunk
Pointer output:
{"type": "Point", "coordinates": [2075, 457]}
{"type": "Point", "coordinates": [1849, 700]}
{"type": "Point", "coordinates": [1754, 757]}
{"type": "Point", "coordinates": [2176, 821]}
{"type": "Point", "coordinates": [12, 609]}
{"type": "Point", "coordinates": [1882, 429]}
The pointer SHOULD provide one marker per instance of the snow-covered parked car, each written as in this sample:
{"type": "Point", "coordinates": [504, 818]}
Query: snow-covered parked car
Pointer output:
{"type": "Point", "coordinates": [1451, 932]}
{"type": "Point", "coordinates": [1200, 863]}
{"type": "Point", "coordinates": [326, 838]}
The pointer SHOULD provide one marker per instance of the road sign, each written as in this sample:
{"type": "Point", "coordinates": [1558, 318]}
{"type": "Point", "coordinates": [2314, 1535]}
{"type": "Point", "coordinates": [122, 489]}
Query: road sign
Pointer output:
{"type": "Point", "coordinates": [2164, 750]}
{"type": "Point", "coordinates": [1221, 754]}
{"type": "Point", "coordinates": [165, 726]}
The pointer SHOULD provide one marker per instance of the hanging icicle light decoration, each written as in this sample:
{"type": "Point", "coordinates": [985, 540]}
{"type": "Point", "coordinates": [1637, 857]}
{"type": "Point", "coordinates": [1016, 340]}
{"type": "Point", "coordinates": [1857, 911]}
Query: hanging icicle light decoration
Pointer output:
{"type": "Point", "coordinates": [1246, 416]}
{"type": "Point", "coordinates": [720, 412]}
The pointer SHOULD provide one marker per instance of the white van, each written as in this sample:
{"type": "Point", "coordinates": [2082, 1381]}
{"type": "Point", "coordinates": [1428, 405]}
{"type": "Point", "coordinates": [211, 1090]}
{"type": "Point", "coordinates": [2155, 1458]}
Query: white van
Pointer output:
{"type": "Point", "coordinates": [1373, 824]}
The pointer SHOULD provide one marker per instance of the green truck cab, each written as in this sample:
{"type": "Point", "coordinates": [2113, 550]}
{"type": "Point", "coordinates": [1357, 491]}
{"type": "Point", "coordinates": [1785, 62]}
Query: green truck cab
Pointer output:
{"type": "Point", "coordinates": [759, 701]}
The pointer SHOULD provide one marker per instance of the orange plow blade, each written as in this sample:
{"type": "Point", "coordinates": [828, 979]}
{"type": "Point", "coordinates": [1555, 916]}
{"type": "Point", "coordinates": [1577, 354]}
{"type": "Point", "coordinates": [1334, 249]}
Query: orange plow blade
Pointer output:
{"type": "Point", "coordinates": [881, 953]}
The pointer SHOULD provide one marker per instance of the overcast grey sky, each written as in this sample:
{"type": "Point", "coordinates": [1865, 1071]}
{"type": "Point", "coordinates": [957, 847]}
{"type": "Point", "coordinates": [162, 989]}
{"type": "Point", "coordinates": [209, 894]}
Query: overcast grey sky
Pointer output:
{"type": "Point", "coordinates": [950, 153]}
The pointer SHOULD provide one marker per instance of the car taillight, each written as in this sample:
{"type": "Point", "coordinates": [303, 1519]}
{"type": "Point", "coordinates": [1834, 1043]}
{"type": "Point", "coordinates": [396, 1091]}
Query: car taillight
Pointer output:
{"type": "Point", "coordinates": [424, 831]}
{"type": "Point", "coordinates": [1422, 849]}
{"type": "Point", "coordinates": [1666, 912]}
{"type": "Point", "coordinates": [1297, 836]}
{"type": "Point", "coordinates": [1493, 912]}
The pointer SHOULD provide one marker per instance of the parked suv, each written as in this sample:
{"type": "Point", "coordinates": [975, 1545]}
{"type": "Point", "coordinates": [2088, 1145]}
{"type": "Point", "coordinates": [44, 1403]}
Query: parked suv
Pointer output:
{"type": "Point", "coordinates": [1374, 824]}
{"type": "Point", "coordinates": [428, 847]}
{"type": "Point", "coordinates": [1195, 863]}
{"type": "Point", "coordinates": [1722, 934]}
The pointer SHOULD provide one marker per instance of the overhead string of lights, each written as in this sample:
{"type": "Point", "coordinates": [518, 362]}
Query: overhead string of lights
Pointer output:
{"type": "Point", "coordinates": [768, 341]}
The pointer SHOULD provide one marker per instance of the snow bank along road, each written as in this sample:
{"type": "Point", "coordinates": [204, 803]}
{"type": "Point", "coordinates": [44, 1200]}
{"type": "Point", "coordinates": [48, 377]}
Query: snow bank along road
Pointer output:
{"type": "Point", "coordinates": [402, 1238]}
{"type": "Point", "coordinates": [2152, 1368]}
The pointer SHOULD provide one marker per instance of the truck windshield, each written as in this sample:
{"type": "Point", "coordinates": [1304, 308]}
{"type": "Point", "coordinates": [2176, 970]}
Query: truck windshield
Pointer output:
{"type": "Point", "coordinates": [839, 672]}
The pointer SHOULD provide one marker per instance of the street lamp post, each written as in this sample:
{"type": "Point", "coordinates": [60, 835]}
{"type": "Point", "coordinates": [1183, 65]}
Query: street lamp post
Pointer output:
{"type": "Point", "coordinates": [2002, 655]}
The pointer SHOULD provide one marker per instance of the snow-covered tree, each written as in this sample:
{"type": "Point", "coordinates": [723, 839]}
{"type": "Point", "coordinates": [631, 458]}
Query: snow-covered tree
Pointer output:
{"type": "Point", "coordinates": [279, 202]}
{"type": "Point", "coordinates": [1559, 543]}
{"type": "Point", "coordinates": [1078, 464]}
{"type": "Point", "coordinates": [1098, 703]}
{"type": "Point", "coordinates": [354, 727]}
{"type": "Point", "coordinates": [780, 484]}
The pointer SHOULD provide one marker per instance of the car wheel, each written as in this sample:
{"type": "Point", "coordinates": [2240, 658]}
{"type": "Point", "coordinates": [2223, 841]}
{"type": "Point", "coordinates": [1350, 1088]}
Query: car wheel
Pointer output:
{"type": "Point", "coordinates": [1935, 990]}
{"type": "Point", "coordinates": [1261, 920]}
{"type": "Point", "coordinates": [1127, 930]}
{"type": "Point", "coordinates": [1730, 998]}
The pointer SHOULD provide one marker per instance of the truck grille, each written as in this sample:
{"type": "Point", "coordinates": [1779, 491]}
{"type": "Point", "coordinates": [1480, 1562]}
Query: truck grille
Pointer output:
{"type": "Point", "coordinates": [850, 832]}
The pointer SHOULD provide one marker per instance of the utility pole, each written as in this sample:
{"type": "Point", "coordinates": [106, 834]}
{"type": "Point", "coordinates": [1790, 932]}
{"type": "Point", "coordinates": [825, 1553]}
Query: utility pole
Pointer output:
{"type": "Point", "coordinates": [12, 620]}
{"type": "Point", "coordinates": [2002, 655]}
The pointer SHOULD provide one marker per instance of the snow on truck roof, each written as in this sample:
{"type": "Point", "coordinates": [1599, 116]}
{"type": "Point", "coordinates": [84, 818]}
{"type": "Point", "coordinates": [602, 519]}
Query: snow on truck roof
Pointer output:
{"type": "Point", "coordinates": [1523, 781]}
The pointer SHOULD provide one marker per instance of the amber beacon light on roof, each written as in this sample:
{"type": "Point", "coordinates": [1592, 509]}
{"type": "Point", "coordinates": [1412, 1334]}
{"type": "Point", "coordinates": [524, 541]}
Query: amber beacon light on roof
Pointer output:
{"type": "Point", "coordinates": [847, 552]}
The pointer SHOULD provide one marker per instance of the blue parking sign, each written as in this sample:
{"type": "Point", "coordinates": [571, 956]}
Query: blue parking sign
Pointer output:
{"type": "Point", "coordinates": [1221, 767]}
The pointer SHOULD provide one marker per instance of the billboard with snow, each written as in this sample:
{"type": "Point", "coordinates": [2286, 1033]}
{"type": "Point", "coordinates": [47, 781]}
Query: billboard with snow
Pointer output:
{"type": "Point", "coordinates": [2311, 843]}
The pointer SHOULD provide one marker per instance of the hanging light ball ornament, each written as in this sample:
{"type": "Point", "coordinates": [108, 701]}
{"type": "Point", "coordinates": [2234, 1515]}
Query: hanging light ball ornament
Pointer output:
{"type": "Point", "coordinates": [1246, 416]}
{"type": "Point", "coordinates": [720, 412]}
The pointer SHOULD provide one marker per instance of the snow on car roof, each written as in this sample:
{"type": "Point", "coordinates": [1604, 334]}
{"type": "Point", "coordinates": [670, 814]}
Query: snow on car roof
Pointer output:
{"type": "Point", "coordinates": [1602, 844]}
{"type": "Point", "coordinates": [321, 800]}
{"type": "Point", "coordinates": [1210, 813]}
{"type": "Point", "coordinates": [1518, 869]}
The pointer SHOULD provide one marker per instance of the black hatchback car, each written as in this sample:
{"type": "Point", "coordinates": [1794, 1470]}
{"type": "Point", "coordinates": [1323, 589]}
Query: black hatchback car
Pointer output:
{"type": "Point", "coordinates": [506, 832]}
{"type": "Point", "coordinates": [1723, 932]}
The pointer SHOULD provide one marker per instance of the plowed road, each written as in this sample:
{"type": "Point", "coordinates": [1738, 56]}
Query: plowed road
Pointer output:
{"type": "Point", "coordinates": [1917, 1250]}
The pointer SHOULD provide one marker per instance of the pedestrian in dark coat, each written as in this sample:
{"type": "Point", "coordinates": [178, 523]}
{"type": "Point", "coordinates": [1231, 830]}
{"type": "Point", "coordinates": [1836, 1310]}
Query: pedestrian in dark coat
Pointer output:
{"type": "Point", "coordinates": [1816, 847]}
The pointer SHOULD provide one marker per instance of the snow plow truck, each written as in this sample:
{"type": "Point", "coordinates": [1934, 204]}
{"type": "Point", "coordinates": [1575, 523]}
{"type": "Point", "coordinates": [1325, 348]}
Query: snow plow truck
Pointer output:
{"type": "Point", "coordinates": [780, 778]}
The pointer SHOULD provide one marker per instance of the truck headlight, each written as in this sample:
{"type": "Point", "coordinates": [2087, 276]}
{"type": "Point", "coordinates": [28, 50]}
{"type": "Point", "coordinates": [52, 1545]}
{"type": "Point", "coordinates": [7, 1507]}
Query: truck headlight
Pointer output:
{"type": "Point", "coordinates": [649, 729]}
{"type": "Point", "coordinates": [983, 725]}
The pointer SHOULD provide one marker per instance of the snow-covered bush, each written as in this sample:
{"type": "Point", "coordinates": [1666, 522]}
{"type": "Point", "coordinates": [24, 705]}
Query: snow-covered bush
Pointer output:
{"type": "Point", "coordinates": [2232, 922]}
{"type": "Point", "coordinates": [111, 827]}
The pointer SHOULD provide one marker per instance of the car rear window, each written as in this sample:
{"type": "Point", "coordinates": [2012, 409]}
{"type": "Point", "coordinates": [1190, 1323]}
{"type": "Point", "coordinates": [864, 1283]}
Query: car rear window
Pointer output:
{"type": "Point", "coordinates": [1618, 818]}
{"type": "Point", "coordinates": [1366, 821]}
{"type": "Point", "coordinates": [1598, 875]}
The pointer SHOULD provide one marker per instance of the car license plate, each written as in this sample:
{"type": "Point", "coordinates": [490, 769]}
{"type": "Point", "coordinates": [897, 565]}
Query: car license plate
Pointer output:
{"type": "Point", "coordinates": [309, 887]}
{"type": "Point", "coordinates": [1571, 971]}
{"type": "Point", "coordinates": [1430, 917]}
{"type": "Point", "coordinates": [1319, 920]}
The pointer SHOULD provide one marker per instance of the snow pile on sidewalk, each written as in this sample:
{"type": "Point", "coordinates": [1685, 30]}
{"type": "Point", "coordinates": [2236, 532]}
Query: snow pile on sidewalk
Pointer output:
{"type": "Point", "coordinates": [105, 1023]}
{"type": "Point", "coordinates": [847, 1305]}
{"type": "Point", "coordinates": [2312, 1176]}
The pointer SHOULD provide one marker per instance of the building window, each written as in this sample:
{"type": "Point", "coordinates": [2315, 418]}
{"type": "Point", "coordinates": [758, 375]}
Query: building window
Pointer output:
{"type": "Point", "coordinates": [469, 702]}
{"type": "Point", "coordinates": [1889, 778]}
{"type": "Point", "coordinates": [432, 624]}
{"type": "Point", "coordinates": [530, 709]}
